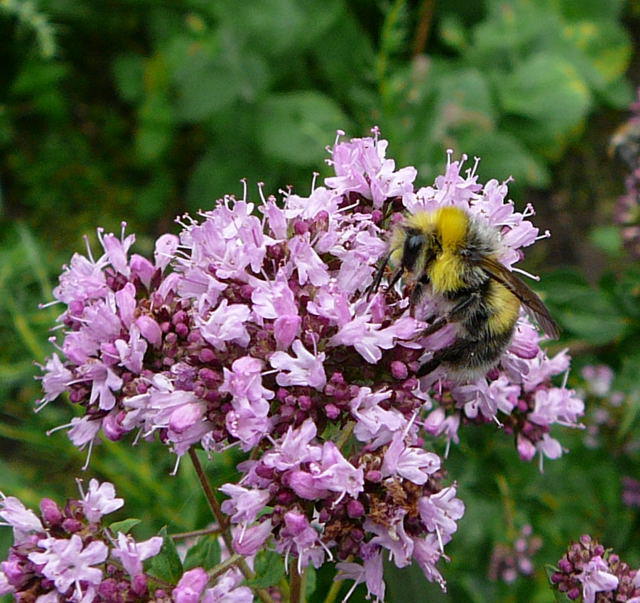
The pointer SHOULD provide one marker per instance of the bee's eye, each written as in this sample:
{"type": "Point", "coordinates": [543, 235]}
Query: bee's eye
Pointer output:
{"type": "Point", "coordinates": [412, 247]}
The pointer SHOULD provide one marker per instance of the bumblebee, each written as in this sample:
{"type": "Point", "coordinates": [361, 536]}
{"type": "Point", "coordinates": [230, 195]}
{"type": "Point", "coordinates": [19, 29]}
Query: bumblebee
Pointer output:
{"type": "Point", "coordinates": [452, 257]}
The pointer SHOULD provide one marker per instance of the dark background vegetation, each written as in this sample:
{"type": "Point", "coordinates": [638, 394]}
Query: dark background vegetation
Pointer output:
{"type": "Point", "coordinates": [141, 110]}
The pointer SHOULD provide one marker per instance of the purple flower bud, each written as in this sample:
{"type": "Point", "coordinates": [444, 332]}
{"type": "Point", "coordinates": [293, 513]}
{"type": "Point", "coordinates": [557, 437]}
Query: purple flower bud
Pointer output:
{"type": "Point", "coordinates": [355, 509]}
{"type": "Point", "coordinates": [399, 370]}
{"type": "Point", "coordinates": [332, 411]}
{"type": "Point", "coordinates": [565, 566]}
{"type": "Point", "coordinates": [139, 585]}
{"type": "Point", "coordinates": [178, 317]}
{"type": "Point", "coordinates": [112, 426]}
{"type": "Point", "coordinates": [300, 227]}
{"type": "Point", "coordinates": [149, 329]}
{"type": "Point", "coordinates": [182, 329]}
{"type": "Point", "coordinates": [72, 525]}
{"type": "Point", "coordinates": [206, 355]}
{"type": "Point", "coordinates": [526, 449]}
{"type": "Point", "coordinates": [374, 476]}
{"type": "Point", "coordinates": [109, 590]}
{"type": "Point", "coordinates": [51, 513]}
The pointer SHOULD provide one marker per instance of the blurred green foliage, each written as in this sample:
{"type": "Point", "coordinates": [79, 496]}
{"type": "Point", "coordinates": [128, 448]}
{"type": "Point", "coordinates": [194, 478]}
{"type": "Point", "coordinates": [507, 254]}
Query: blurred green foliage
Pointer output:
{"type": "Point", "coordinates": [144, 109]}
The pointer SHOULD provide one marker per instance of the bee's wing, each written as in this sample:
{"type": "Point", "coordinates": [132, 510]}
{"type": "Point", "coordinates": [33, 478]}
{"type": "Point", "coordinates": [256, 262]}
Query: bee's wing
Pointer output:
{"type": "Point", "coordinates": [521, 290]}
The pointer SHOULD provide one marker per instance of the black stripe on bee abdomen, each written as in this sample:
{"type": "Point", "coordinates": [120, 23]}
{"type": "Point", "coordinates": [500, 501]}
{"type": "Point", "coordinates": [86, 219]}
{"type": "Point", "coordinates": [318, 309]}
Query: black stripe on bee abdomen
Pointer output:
{"type": "Point", "coordinates": [471, 354]}
{"type": "Point", "coordinates": [475, 316]}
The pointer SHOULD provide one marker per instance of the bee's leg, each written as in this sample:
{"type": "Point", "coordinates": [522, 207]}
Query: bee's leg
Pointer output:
{"type": "Point", "coordinates": [455, 353]}
{"type": "Point", "coordinates": [373, 287]}
{"type": "Point", "coordinates": [453, 314]}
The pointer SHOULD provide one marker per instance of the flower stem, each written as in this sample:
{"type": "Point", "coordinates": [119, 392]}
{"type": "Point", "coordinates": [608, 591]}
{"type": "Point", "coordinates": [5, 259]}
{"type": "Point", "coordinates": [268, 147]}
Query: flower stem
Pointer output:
{"type": "Point", "coordinates": [221, 568]}
{"type": "Point", "coordinates": [224, 524]}
{"type": "Point", "coordinates": [193, 533]}
{"type": "Point", "coordinates": [296, 595]}
{"type": "Point", "coordinates": [334, 591]}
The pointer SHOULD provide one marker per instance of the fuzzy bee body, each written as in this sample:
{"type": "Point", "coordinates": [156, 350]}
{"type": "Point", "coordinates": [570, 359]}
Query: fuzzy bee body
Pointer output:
{"type": "Point", "coordinates": [452, 257]}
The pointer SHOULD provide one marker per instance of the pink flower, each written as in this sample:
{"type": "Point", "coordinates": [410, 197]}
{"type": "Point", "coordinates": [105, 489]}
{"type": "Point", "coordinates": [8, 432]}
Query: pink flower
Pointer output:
{"type": "Point", "coordinates": [410, 462]}
{"type": "Point", "coordinates": [244, 380]}
{"type": "Point", "coordinates": [82, 280]}
{"type": "Point", "coordinates": [303, 369]}
{"type": "Point", "coordinates": [248, 541]}
{"type": "Point", "coordinates": [394, 538]}
{"type": "Point", "coordinates": [55, 379]}
{"type": "Point", "coordinates": [116, 249]}
{"type": "Point", "coordinates": [369, 339]}
{"type": "Point", "coordinates": [100, 500]}
{"type": "Point", "coordinates": [361, 167]}
{"type": "Point", "coordinates": [23, 521]}
{"type": "Point", "coordinates": [439, 512]}
{"type": "Point", "coordinates": [226, 323]}
{"type": "Point", "coordinates": [131, 553]}
{"type": "Point", "coordinates": [243, 505]}
{"type": "Point", "coordinates": [228, 589]}
{"type": "Point", "coordinates": [190, 587]}
{"type": "Point", "coordinates": [374, 423]}
{"type": "Point", "coordinates": [68, 562]}
{"type": "Point", "coordinates": [165, 248]}
{"type": "Point", "coordinates": [370, 573]}
{"type": "Point", "coordinates": [309, 266]}
{"type": "Point", "coordinates": [333, 472]}
{"type": "Point", "coordinates": [299, 537]}
{"type": "Point", "coordinates": [427, 552]}
{"type": "Point", "coordinates": [294, 448]}
{"type": "Point", "coordinates": [595, 578]}
{"type": "Point", "coordinates": [599, 378]}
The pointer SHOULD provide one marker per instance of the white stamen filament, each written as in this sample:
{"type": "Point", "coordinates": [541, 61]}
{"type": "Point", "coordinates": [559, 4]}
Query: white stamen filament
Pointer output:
{"type": "Point", "coordinates": [176, 466]}
{"type": "Point", "coordinates": [86, 463]}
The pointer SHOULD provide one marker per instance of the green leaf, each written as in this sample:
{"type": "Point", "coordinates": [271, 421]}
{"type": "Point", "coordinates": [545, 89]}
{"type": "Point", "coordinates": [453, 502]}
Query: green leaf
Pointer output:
{"type": "Point", "coordinates": [453, 33]}
{"type": "Point", "coordinates": [605, 45]}
{"type": "Point", "coordinates": [607, 238]}
{"type": "Point", "coordinates": [507, 157]}
{"type": "Point", "coordinates": [593, 317]}
{"type": "Point", "coordinates": [155, 131]}
{"type": "Point", "coordinates": [311, 580]}
{"type": "Point", "coordinates": [128, 71]}
{"type": "Point", "coordinates": [166, 564]}
{"type": "Point", "coordinates": [562, 286]}
{"type": "Point", "coordinates": [124, 526]}
{"type": "Point", "coordinates": [205, 553]}
{"type": "Point", "coordinates": [294, 127]}
{"type": "Point", "coordinates": [269, 569]}
{"type": "Point", "coordinates": [548, 89]}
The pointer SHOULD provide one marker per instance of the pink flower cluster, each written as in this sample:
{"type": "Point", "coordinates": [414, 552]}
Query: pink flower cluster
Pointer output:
{"type": "Point", "coordinates": [590, 571]}
{"type": "Point", "coordinates": [254, 328]}
{"type": "Point", "coordinates": [508, 561]}
{"type": "Point", "coordinates": [325, 506]}
{"type": "Point", "coordinates": [67, 554]}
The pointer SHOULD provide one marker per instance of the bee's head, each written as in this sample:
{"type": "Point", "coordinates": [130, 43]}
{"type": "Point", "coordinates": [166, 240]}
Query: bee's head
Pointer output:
{"type": "Point", "coordinates": [419, 247]}
{"type": "Point", "coordinates": [425, 235]}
